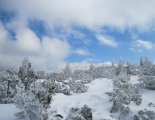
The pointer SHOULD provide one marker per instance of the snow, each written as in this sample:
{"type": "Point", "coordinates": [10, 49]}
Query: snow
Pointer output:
{"type": "Point", "coordinates": [134, 80]}
{"type": "Point", "coordinates": [7, 112]}
{"type": "Point", "coordinates": [94, 98]}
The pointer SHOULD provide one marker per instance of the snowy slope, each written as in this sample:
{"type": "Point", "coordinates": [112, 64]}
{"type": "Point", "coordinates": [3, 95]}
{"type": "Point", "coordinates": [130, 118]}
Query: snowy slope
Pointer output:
{"type": "Point", "coordinates": [94, 98]}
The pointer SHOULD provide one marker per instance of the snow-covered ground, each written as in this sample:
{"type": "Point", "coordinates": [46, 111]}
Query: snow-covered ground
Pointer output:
{"type": "Point", "coordinates": [7, 112]}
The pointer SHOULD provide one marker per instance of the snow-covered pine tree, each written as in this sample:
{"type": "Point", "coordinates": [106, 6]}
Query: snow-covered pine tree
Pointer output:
{"type": "Point", "coordinates": [92, 71]}
{"type": "Point", "coordinates": [131, 69]}
{"type": "Point", "coordinates": [121, 66]}
{"type": "Point", "coordinates": [26, 73]}
{"type": "Point", "coordinates": [145, 62]}
{"type": "Point", "coordinates": [67, 72]}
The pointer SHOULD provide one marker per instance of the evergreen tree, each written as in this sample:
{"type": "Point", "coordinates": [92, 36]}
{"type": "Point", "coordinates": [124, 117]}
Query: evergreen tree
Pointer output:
{"type": "Point", "coordinates": [67, 71]}
{"type": "Point", "coordinates": [131, 69]}
{"type": "Point", "coordinates": [121, 66]}
{"type": "Point", "coordinates": [26, 73]}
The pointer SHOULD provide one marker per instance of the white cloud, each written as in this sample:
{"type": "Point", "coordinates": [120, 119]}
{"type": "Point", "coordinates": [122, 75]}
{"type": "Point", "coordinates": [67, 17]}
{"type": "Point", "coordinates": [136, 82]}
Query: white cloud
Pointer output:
{"type": "Point", "coordinates": [145, 44]}
{"type": "Point", "coordinates": [55, 48]}
{"type": "Point", "coordinates": [107, 40]}
{"type": "Point", "coordinates": [141, 45]}
{"type": "Point", "coordinates": [89, 13]}
{"type": "Point", "coordinates": [135, 49]}
{"type": "Point", "coordinates": [44, 54]}
{"type": "Point", "coordinates": [82, 52]}
{"type": "Point", "coordinates": [27, 40]}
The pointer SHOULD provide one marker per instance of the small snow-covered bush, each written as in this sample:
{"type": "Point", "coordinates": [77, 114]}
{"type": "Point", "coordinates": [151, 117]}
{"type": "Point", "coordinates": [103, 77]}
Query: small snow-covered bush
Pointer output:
{"type": "Point", "coordinates": [61, 87]}
{"type": "Point", "coordinates": [80, 114]}
{"type": "Point", "coordinates": [82, 75]}
{"type": "Point", "coordinates": [145, 115]}
{"type": "Point", "coordinates": [78, 87]}
{"type": "Point", "coordinates": [86, 112]}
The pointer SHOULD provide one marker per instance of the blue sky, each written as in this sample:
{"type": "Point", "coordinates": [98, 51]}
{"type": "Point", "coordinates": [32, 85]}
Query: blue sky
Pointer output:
{"type": "Point", "coordinates": [54, 32]}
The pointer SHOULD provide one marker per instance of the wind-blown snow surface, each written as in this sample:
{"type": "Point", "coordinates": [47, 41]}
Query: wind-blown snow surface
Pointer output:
{"type": "Point", "coordinates": [94, 98]}
{"type": "Point", "coordinates": [7, 112]}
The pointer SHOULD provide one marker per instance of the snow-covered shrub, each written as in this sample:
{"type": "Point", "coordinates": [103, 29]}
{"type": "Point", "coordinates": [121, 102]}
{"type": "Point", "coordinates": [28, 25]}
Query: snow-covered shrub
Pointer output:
{"type": "Point", "coordinates": [31, 108]}
{"type": "Point", "coordinates": [55, 77]}
{"type": "Point", "coordinates": [102, 71]}
{"type": "Point", "coordinates": [80, 114]}
{"type": "Point", "coordinates": [77, 87]}
{"type": "Point", "coordinates": [43, 91]}
{"type": "Point", "coordinates": [123, 93]}
{"type": "Point", "coordinates": [86, 112]}
{"type": "Point", "coordinates": [145, 115]}
{"type": "Point", "coordinates": [151, 104]}
{"type": "Point", "coordinates": [75, 114]}
{"type": "Point", "coordinates": [148, 81]}
{"type": "Point", "coordinates": [61, 87]}
{"type": "Point", "coordinates": [40, 75]}
{"type": "Point", "coordinates": [82, 75]}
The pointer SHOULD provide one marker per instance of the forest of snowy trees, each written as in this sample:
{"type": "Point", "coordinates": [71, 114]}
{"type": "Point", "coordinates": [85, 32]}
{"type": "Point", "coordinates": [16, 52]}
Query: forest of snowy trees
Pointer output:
{"type": "Point", "coordinates": [32, 91]}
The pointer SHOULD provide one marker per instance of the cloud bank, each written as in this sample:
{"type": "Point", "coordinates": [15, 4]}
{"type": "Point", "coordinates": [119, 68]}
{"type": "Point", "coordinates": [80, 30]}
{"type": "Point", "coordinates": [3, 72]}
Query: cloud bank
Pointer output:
{"type": "Point", "coordinates": [94, 15]}
{"type": "Point", "coordinates": [89, 13]}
